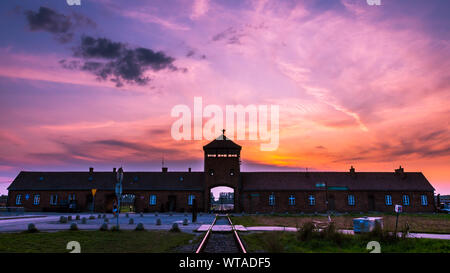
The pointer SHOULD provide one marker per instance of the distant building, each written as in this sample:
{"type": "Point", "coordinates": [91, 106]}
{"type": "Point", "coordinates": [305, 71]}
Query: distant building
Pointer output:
{"type": "Point", "coordinates": [3, 200]}
{"type": "Point", "coordinates": [253, 191]}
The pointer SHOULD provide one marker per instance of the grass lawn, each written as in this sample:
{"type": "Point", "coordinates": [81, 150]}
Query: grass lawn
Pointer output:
{"type": "Point", "coordinates": [288, 242]}
{"type": "Point", "coordinates": [426, 223]}
{"type": "Point", "coordinates": [94, 241]}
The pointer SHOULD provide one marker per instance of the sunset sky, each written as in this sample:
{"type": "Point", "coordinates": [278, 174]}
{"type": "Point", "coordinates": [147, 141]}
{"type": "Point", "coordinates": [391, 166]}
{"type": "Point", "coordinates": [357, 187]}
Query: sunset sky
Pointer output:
{"type": "Point", "coordinates": [94, 85]}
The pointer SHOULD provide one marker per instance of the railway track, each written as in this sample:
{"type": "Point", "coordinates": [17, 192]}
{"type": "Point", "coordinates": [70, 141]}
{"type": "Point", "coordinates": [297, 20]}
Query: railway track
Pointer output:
{"type": "Point", "coordinates": [224, 241]}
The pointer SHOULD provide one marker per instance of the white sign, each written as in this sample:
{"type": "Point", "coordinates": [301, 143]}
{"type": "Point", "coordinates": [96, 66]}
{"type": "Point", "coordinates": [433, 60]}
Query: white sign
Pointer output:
{"type": "Point", "coordinates": [398, 208]}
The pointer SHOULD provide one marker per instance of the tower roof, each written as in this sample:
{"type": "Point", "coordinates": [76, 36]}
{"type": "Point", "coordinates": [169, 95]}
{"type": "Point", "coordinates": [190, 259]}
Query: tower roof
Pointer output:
{"type": "Point", "coordinates": [222, 142]}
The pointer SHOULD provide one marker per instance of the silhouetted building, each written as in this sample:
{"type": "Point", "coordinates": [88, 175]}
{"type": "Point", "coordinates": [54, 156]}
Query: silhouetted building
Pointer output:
{"type": "Point", "coordinates": [253, 191]}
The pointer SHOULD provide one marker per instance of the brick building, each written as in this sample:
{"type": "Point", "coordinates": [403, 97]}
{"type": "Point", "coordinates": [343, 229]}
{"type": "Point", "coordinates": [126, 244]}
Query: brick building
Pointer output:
{"type": "Point", "coordinates": [253, 191]}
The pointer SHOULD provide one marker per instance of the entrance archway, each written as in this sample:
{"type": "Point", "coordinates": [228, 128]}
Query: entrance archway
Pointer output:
{"type": "Point", "coordinates": [128, 203]}
{"type": "Point", "coordinates": [221, 199]}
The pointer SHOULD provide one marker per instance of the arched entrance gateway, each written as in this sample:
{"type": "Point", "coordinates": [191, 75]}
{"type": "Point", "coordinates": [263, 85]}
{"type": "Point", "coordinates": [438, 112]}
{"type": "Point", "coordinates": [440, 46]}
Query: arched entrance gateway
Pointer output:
{"type": "Point", "coordinates": [222, 173]}
{"type": "Point", "coordinates": [221, 199]}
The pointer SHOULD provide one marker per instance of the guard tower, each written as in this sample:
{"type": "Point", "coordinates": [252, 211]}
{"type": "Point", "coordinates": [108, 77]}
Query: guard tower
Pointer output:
{"type": "Point", "coordinates": [222, 168]}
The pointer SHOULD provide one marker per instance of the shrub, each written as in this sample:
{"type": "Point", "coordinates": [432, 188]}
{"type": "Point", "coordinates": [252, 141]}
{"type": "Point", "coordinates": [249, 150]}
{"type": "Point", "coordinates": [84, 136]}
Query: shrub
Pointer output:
{"type": "Point", "coordinates": [69, 218]}
{"type": "Point", "coordinates": [92, 217]}
{"type": "Point", "coordinates": [99, 216]}
{"type": "Point", "coordinates": [73, 226]}
{"type": "Point", "coordinates": [115, 228]}
{"type": "Point", "coordinates": [273, 242]}
{"type": "Point", "coordinates": [77, 217]}
{"type": "Point", "coordinates": [306, 232]}
{"type": "Point", "coordinates": [127, 215]}
{"type": "Point", "coordinates": [32, 228]}
{"type": "Point", "coordinates": [139, 227]}
{"type": "Point", "coordinates": [104, 216]}
{"type": "Point", "coordinates": [104, 227]}
{"type": "Point", "coordinates": [83, 220]}
{"type": "Point", "coordinates": [63, 219]}
{"type": "Point", "coordinates": [142, 215]}
{"type": "Point", "coordinates": [131, 221]}
{"type": "Point", "coordinates": [185, 222]}
{"type": "Point", "coordinates": [175, 228]}
{"type": "Point", "coordinates": [158, 222]}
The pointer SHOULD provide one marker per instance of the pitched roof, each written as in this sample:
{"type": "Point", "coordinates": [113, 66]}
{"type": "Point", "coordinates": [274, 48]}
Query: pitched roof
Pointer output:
{"type": "Point", "coordinates": [222, 142]}
{"type": "Point", "coordinates": [107, 180]}
{"type": "Point", "coordinates": [382, 181]}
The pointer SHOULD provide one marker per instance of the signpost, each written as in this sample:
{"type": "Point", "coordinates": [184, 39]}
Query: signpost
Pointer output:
{"type": "Point", "coordinates": [398, 209]}
{"type": "Point", "coordinates": [119, 192]}
{"type": "Point", "coordinates": [93, 198]}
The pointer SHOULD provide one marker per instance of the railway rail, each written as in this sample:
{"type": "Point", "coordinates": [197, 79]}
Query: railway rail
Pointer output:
{"type": "Point", "coordinates": [224, 241]}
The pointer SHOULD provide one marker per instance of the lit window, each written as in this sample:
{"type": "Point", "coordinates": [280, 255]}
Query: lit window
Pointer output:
{"type": "Point", "coordinates": [388, 200]}
{"type": "Point", "coordinates": [191, 198]}
{"type": "Point", "coordinates": [424, 200]}
{"type": "Point", "coordinates": [271, 200]}
{"type": "Point", "coordinates": [36, 199]}
{"type": "Point", "coordinates": [351, 200]}
{"type": "Point", "coordinates": [153, 199]}
{"type": "Point", "coordinates": [211, 172]}
{"type": "Point", "coordinates": [311, 200]}
{"type": "Point", "coordinates": [292, 200]}
{"type": "Point", "coordinates": [53, 199]}
{"type": "Point", "coordinates": [19, 199]}
{"type": "Point", "coordinates": [71, 197]}
{"type": "Point", "coordinates": [406, 200]}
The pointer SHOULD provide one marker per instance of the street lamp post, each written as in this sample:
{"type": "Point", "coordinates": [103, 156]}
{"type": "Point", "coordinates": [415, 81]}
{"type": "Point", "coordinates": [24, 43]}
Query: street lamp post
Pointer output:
{"type": "Point", "coordinates": [119, 192]}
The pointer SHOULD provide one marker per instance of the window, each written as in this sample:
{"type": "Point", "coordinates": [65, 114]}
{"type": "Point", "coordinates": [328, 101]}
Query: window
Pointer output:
{"type": "Point", "coordinates": [406, 200]}
{"type": "Point", "coordinates": [232, 172]}
{"type": "Point", "coordinates": [271, 200]}
{"type": "Point", "coordinates": [388, 200]}
{"type": "Point", "coordinates": [19, 199]}
{"type": "Point", "coordinates": [152, 199]}
{"type": "Point", "coordinates": [191, 198]}
{"type": "Point", "coordinates": [211, 172]}
{"type": "Point", "coordinates": [351, 200]}
{"type": "Point", "coordinates": [311, 200]}
{"type": "Point", "coordinates": [53, 199]}
{"type": "Point", "coordinates": [292, 200]}
{"type": "Point", "coordinates": [36, 199]}
{"type": "Point", "coordinates": [71, 197]}
{"type": "Point", "coordinates": [424, 200]}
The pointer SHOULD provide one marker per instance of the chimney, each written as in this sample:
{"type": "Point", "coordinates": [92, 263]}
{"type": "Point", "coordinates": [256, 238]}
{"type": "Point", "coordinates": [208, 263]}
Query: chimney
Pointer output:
{"type": "Point", "coordinates": [400, 171]}
{"type": "Point", "coordinates": [91, 170]}
{"type": "Point", "coordinates": [352, 171]}
{"type": "Point", "coordinates": [164, 169]}
{"type": "Point", "coordinates": [189, 169]}
{"type": "Point", "coordinates": [114, 170]}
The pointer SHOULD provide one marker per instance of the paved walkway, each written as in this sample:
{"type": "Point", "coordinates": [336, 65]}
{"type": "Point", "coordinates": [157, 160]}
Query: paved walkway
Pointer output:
{"type": "Point", "coordinates": [50, 222]}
